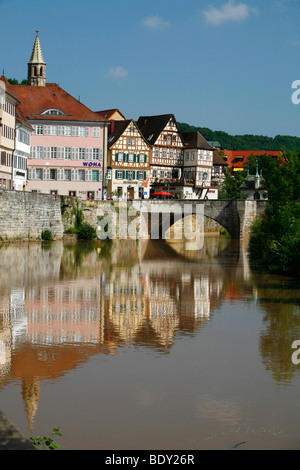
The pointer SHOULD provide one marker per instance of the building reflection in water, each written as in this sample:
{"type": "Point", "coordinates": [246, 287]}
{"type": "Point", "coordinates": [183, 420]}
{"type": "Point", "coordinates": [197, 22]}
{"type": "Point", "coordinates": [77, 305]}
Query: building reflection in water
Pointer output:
{"type": "Point", "coordinates": [61, 304]}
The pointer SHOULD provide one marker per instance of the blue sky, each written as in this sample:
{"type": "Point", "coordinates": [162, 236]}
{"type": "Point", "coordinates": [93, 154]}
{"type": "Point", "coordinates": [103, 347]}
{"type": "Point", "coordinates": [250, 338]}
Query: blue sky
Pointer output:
{"type": "Point", "coordinates": [224, 64]}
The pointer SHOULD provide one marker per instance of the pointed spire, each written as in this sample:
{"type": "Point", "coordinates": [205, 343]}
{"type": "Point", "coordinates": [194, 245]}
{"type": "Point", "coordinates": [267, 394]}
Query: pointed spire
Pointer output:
{"type": "Point", "coordinates": [37, 65]}
{"type": "Point", "coordinates": [37, 54]}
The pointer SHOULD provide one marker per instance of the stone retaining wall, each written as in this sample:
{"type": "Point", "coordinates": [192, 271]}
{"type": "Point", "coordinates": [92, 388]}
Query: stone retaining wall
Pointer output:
{"type": "Point", "coordinates": [25, 215]}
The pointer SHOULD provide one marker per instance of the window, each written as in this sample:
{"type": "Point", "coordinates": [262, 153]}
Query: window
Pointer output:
{"type": "Point", "coordinates": [119, 174]}
{"type": "Point", "coordinates": [142, 158]}
{"type": "Point", "coordinates": [154, 173]}
{"type": "Point", "coordinates": [162, 173]}
{"type": "Point", "coordinates": [83, 131]}
{"type": "Point", "coordinates": [68, 153]}
{"type": "Point", "coordinates": [96, 131]}
{"type": "Point", "coordinates": [53, 130]}
{"type": "Point", "coordinates": [157, 153]}
{"type": "Point", "coordinates": [140, 175]}
{"type": "Point", "coordinates": [120, 157]}
{"type": "Point", "coordinates": [130, 175]}
{"type": "Point", "coordinates": [81, 175]}
{"type": "Point", "coordinates": [82, 153]}
{"type": "Point", "coordinates": [38, 173]}
{"type": "Point", "coordinates": [95, 153]}
{"type": "Point", "coordinates": [131, 141]}
{"type": "Point", "coordinates": [23, 137]}
{"type": "Point", "coordinates": [39, 152]}
{"type": "Point", "coordinates": [164, 153]}
{"type": "Point", "coordinates": [169, 174]}
{"type": "Point", "coordinates": [95, 175]}
{"type": "Point", "coordinates": [171, 153]}
{"type": "Point", "coordinates": [68, 131]}
{"type": "Point", "coordinates": [187, 156]}
{"type": "Point", "coordinates": [130, 157]}
{"type": "Point", "coordinates": [53, 174]}
{"type": "Point", "coordinates": [67, 175]}
{"type": "Point", "coordinates": [53, 112]}
{"type": "Point", "coordinates": [53, 153]}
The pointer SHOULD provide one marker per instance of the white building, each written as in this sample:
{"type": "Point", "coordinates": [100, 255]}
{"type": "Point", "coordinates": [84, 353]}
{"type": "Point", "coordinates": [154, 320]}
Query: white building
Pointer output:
{"type": "Point", "coordinates": [22, 151]}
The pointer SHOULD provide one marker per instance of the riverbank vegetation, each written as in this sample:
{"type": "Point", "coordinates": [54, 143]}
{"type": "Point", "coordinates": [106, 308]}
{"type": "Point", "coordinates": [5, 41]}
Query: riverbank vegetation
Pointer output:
{"type": "Point", "coordinates": [275, 239]}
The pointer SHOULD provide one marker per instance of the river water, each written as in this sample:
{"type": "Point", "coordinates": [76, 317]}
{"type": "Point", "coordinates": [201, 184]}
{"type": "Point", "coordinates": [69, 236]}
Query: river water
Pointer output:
{"type": "Point", "coordinates": [145, 345]}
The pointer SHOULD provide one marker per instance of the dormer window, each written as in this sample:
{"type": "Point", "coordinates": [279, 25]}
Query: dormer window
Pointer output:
{"type": "Point", "coordinates": [53, 112]}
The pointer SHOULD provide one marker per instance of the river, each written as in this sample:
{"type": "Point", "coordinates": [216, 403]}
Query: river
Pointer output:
{"type": "Point", "coordinates": [145, 345]}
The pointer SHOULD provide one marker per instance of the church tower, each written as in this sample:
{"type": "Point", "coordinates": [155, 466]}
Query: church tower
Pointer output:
{"type": "Point", "coordinates": [37, 65]}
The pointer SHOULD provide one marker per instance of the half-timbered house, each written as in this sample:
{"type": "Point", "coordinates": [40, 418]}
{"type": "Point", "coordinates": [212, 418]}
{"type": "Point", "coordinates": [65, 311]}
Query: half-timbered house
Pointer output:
{"type": "Point", "coordinates": [197, 165]}
{"type": "Point", "coordinates": [128, 161]}
{"type": "Point", "coordinates": [163, 134]}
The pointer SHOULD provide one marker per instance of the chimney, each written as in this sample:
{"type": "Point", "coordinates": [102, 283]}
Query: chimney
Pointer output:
{"type": "Point", "coordinates": [112, 126]}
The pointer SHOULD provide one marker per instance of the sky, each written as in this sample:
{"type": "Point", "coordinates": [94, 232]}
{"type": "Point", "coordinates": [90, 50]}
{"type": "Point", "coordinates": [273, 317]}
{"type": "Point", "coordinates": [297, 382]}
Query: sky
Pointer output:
{"type": "Point", "coordinates": [223, 64]}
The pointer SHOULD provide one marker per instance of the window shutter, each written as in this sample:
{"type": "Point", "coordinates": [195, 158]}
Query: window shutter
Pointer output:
{"type": "Point", "coordinates": [145, 160]}
{"type": "Point", "coordinates": [134, 158]}
{"type": "Point", "coordinates": [74, 175]}
{"type": "Point", "coordinates": [127, 157]}
{"type": "Point", "coordinates": [117, 157]}
{"type": "Point", "coordinates": [33, 152]}
{"type": "Point", "coordinates": [126, 174]}
{"type": "Point", "coordinates": [145, 175]}
{"type": "Point", "coordinates": [133, 175]}
{"type": "Point", "coordinates": [116, 174]}
{"type": "Point", "coordinates": [46, 173]}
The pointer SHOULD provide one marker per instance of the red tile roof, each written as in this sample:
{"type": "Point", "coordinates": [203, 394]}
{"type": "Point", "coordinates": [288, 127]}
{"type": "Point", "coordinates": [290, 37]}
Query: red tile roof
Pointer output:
{"type": "Point", "coordinates": [234, 161]}
{"type": "Point", "coordinates": [35, 100]}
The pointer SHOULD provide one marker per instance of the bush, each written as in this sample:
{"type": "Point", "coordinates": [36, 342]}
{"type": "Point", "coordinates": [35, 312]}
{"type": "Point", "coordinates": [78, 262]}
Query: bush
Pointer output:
{"type": "Point", "coordinates": [86, 232]}
{"type": "Point", "coordinates": [47, 235]}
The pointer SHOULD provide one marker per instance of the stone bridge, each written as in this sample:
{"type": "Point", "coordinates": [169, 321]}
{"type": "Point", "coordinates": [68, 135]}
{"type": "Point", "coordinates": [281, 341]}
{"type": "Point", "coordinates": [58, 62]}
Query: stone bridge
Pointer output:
{"type": "Point", "coordinates": [236, 216]}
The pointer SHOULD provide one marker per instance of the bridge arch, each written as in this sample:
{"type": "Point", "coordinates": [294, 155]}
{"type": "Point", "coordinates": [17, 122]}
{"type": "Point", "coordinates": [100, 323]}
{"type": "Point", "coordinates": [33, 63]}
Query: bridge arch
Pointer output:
{"type": "Point", "coordinates": [236, 216]}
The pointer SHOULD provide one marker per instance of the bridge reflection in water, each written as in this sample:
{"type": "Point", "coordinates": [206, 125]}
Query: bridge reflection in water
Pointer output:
{"type": "Point", "coordinates": [62, 304]}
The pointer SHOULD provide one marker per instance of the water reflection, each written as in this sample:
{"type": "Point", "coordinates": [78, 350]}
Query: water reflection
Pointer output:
{"type": "Point", "coordinates": [63, 303]}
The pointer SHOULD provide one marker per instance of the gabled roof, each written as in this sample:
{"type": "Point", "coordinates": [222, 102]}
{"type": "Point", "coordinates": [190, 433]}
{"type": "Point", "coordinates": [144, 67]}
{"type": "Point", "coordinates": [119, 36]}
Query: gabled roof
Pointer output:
{"type": "Point", "coordinates": [108, 113]}
{"type": "Point", "coordinates": [118, 128]}
{"type": "Point", "coordinates": [152, 126]}
{"type": "Point", "coordinates": [193, 139]}
{"type": "Point", "coordinates": [217, 159]}
{"type": "Point", "coordinates": [36, 100]}
{"type": "Point", "coordinates": [22, 119]}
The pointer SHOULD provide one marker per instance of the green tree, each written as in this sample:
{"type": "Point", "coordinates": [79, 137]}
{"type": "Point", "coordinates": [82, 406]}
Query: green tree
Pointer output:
{"type": "Point", "coordinates": [231, 188]}
{"type": "Point", "coordinates": [275, 239]}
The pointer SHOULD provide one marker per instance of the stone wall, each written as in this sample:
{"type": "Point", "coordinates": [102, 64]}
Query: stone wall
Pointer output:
{"type": "Point", "coordinates": [24, 215]}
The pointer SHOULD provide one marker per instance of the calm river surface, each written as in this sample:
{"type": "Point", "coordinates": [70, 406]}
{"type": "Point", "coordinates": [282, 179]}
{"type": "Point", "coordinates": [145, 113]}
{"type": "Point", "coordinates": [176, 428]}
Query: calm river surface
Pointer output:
{"type": "Point", "coordinates": [143, 345]}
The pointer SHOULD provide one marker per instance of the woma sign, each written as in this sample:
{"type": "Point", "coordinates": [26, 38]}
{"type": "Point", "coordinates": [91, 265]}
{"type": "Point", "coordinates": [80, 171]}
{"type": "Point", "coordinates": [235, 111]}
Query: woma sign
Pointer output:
{"type": "Point", "coordinates": [91, 164]}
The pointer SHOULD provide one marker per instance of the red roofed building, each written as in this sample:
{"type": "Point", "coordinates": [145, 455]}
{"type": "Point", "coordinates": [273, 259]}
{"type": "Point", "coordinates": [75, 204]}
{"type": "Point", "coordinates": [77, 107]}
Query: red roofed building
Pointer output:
{"type": "Point", "coordinates": [237, 158]}
{"type": "Point", "coordinates": [69, 141]}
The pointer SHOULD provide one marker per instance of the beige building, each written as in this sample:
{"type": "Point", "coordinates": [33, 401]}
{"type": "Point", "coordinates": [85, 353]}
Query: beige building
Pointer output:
{"type": "Point", "coordinates": [128, 161]}
{"type": "Point", "coordinates": [8, 103]}
{"type": "Point", "coordinates": [163, 134]}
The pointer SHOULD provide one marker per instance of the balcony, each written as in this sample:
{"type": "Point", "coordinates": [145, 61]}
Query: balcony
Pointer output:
{"type": "Point", "coordinates": [174, 181]}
